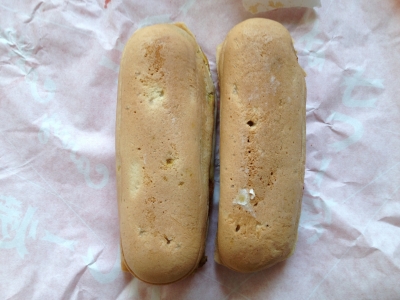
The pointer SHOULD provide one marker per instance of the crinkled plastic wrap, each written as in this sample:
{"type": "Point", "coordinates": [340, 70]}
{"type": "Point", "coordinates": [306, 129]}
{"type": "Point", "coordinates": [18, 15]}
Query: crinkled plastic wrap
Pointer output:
{"type": "Point", "coordinates": [258, 6]}
{"type": "Point", "coordinates": [59, 236]}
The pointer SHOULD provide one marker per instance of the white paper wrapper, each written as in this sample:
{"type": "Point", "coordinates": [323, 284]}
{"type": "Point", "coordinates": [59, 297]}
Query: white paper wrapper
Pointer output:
{"type": "Point", "coordinates": [59, 236]}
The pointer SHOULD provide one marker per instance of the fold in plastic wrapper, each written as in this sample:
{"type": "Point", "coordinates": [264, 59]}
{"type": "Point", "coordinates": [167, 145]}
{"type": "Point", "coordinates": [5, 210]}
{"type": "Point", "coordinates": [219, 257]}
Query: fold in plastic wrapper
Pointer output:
{"type": "Point", "coordinates": [258, 6]}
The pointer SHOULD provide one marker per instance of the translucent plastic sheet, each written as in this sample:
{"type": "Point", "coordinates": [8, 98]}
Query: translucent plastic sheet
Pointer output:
{"type": "Point", "coordinates": [59, 236]}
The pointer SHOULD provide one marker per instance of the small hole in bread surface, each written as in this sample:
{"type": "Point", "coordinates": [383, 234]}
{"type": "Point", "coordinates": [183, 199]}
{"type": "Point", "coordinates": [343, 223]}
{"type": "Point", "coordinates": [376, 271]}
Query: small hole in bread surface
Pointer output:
{"type": "Point", "coordinates": [167, 239]}
{"type": "Point", "coordinates": [237, 228]}
{"type": "Point", "coordinates": [250, 123]}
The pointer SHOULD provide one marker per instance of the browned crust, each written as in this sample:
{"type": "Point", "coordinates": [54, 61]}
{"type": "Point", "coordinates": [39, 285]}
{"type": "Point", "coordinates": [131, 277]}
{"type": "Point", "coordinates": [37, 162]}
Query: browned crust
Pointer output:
{"type": "Point", "coordinates": [262, 145]}
{"type": "Point", "coordinates": [164, 134]}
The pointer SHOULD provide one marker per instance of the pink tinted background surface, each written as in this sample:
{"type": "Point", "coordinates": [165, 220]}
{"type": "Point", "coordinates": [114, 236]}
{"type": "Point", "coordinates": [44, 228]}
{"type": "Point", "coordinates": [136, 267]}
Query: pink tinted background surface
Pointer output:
{"type": "Point", "coordinates": [59, 236]}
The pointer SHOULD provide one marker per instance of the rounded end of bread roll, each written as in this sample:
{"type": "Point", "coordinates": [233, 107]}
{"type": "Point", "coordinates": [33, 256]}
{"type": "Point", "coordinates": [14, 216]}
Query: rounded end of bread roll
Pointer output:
{"type": "Point", "coordinates": [157, 268]}
{"type": "Point", "coordinates": [262, 145]}
{"type": "Point", "coordinates": [251, 255]}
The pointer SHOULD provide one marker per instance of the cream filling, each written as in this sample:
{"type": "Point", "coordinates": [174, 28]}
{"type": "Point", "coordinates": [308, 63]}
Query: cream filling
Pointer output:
{"type": "Point", "coordinates": [243, 199]}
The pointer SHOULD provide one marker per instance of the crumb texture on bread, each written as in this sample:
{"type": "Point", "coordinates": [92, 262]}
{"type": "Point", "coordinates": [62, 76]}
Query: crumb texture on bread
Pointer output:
{"type": "Point", "coordinates": [262, 145]}
{"type": "Point", "coordinates": [164, 133]}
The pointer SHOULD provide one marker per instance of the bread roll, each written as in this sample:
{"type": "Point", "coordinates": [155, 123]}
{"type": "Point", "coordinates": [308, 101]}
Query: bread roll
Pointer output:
{"type": "Point", "coordinates": [262, 150]}
{"type": "Point", "coordinates": [164, 134]}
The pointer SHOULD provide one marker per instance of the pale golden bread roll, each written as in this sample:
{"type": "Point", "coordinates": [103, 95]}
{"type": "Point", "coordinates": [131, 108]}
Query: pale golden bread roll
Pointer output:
{"type": "Point", "coordinates": [164, 134]}
{"type": "Point", "coordinates": [262, 145]}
